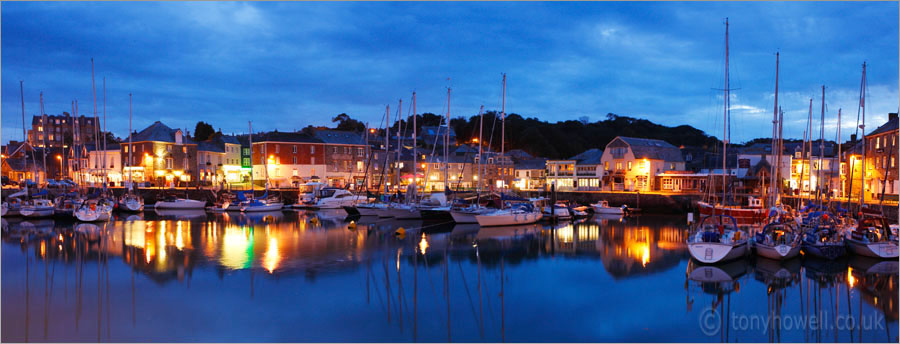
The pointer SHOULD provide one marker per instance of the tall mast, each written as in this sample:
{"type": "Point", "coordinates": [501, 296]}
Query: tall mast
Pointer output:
{"type": "Point", "coordinates": [447, 146]}
{"type": "Point", "coordinates": [22, 95]}
{"type": "Point", "coordinates": [809, 154]}
{"type": "Point", "coordinates": [821, 148]}
{"type": "Point", "coordinates": [130, 145]}
{"type": "Point", "coordinates": [44, 124]}
{"type": "Point", "coordinates": [399, 135]}
{"type": "Point", "coordinates": [780, 151]}
{"type": "Point", "coordinates": [480, 155]}
{"type": "Point", "coordinates": [387, 145]}
{"type": "Point", "coordinates": [838, 159]}
{"type": "Point", "coordinates": [415, 153]}
{"type": "Point", "coordinates": [775, 122]}
{"type": "Point", "coordinates": [250, 128]}
{"type": "Point", "coordinates": [725, 121]}
{"type": "Point", "coordinates": [74, 143]}
{"type": "Point", "coordinates": [503, 132]}
{"type": "Point", "coordinates": [862, 104]}
{"type": "Point", "coordinates": [105, 174]}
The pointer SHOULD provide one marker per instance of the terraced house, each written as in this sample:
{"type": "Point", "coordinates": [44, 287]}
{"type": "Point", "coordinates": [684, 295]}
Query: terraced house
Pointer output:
{"type": "Point", "coordinates": [633, 164]}
{"type": "Point", "coordinates": [162, 156]}
{"type": "Point", "coordinates": [345, 157]}
{"type": "Point", "coordinates": [287, 159]}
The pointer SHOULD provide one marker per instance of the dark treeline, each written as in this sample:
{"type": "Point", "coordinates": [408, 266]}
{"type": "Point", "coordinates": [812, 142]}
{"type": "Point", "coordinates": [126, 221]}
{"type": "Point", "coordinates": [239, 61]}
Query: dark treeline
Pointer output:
{"type": "Point", "coordinates": [552, 140]}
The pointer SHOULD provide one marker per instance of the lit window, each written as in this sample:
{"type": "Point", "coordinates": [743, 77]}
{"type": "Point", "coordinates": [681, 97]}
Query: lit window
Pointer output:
{"type": "Point", "coordinates": [629, 165]}
{"type": "Point", "coordinates": [169, 163]}
{"type": "Point", "coordinates": [294, 150]}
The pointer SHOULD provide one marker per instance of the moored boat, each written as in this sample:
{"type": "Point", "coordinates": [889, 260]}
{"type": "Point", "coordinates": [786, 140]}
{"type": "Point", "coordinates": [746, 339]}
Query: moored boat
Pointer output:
{"type": "Point", "coordinates": [519, 214]}
{"type": "Point", "coordinates": [778, 240]}
{"type": "Point", "coordinates": [602, 207]}
{"type": "Point", "coordinates": [873, 238]}
{"type": "Point", "coordinates": [94, 210]}
{"type": "Point", "coordinates": [717, 239]}
{"type": "Point", "coordinates": [172, 202]}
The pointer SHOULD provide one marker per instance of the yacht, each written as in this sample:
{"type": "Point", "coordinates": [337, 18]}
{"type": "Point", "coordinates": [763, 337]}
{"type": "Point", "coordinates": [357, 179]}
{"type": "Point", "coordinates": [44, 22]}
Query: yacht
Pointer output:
{"type": "Point", "coordinates": [717, 239]}
{"type": "Point", "coordinates": [172, 202]}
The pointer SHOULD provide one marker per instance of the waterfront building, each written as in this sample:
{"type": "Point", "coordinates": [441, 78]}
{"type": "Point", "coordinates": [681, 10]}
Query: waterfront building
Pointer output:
{"type": "Point", "coordinates": [345, 157]}
{"type": "Point", "coordinates": [287, 159]}
{"type": "Point", "coordinates": [162, 156]}
{"type": "Point", "coordinates": [881, 166]}
{"type": "Point", "coordinates": [810, 173]}
{"type": "Point", "coordinates": [22, 161]}
{"type": "Point", "coordinates": [632, 164]}
{"type": "Point", "coordinates": [530, 174]}
{"type": "Point", "coordinates": [57, 130]}
{"type": "Point", "coordinates": [211, 155]}
{"type": "Point", "coordinates": [578, 173]}
{"type": "Point", "coordinates": [101, 165]}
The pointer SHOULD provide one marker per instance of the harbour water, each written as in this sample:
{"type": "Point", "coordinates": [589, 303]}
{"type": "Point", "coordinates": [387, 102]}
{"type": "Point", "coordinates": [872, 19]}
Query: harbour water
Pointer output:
{"type": "Point", "coordinates": [312, 276]}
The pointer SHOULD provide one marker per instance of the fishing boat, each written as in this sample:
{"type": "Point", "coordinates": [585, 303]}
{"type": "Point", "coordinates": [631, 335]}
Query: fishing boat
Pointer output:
{"type": "Point", "coordinates": [96, 209]}
{"type": "Point", "coordinates": [602, 207]}
{"type": "Point", "coordinates": [873, 238]}
{"type": "Point", "coordinates": [779, 240]}
{"type": "Point", "coordinates": [717, 239]}
{"type": "Point", "coordinates": [518, 214]}
{"type": "Point", "coordinates": [173, 202]}
{"type": "Point", "coordinates": [822, 236]}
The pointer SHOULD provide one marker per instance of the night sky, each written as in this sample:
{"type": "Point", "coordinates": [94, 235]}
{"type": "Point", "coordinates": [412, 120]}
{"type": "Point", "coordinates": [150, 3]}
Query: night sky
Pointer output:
{"type": "Point", "coordinates": [288, 65]}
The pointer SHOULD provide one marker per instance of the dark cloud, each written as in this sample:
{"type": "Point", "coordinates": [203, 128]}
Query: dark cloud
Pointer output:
{"type": "Point", "coordinates": [287, 65]}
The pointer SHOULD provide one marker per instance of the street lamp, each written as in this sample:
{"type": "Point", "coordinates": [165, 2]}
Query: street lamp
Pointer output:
{"type": "Point", "coordinates": [59, 157]}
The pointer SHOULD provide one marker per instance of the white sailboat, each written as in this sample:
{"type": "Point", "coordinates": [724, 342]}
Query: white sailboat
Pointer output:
{"type": "Point", "coordinates": [94, 210]}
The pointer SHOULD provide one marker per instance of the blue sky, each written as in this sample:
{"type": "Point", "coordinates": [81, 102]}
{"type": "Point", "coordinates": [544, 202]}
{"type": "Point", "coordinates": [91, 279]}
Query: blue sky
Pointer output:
{"type": "Point", "coordinates": [288, 65]}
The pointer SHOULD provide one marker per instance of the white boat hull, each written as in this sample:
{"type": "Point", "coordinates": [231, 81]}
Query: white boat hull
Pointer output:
{"type": "Point", "coordinates": [884, 249]}
{"type": "Point", "coordinates": [464, 216]}
{"type": "Point", "coordinates": [35, 212]}
{"type": "Point", "coordinates": [509, 219]}
{"type": "Point", "coordinates": [100, 213]}
{"type": "Point", "coordinates": [180, 204]}
{"type": "Point", "coordinates": [131, 205]}
{"type": "Point", "coordinates": [778, 252]}
{"type": "Point", "coordinates": [265, 207]}
{"type": "Point", "coordinates": [715, 252]}
{"type": "Point", "coordinates": [608, 210]}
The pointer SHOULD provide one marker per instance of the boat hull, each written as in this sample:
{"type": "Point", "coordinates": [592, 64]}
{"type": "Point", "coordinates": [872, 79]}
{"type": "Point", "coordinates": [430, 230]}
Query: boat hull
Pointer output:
{"type": "Point", "coordinates": [464, 216]}
{"type": "Point", "coordinates": [743, 216]}
{"type": "Point", "coordinates": [714, 252]}
{"type": "Point", "coordinates": [828, 251]}
{"type": "Point", "coordinates": [265, 207]}
{"type": "Point", "coordinates": [885, 249]}
{"type": "Point", "coordinates": [778, 252]}
{"type": "Point", "coordinates": [608, 210]}
{"type": "Point", "coordinates": [489, 220]}
{"type": "Point", "coordinates": [181, 204]}
{"type": "Point", "coordinates": [36, 212]}
{"type": "Point", "coordinates": [131, 206]}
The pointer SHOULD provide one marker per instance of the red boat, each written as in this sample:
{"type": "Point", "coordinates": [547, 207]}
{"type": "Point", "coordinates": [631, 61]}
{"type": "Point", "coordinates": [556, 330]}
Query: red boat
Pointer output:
{"type": "Point", "coordinates": [745, 216]}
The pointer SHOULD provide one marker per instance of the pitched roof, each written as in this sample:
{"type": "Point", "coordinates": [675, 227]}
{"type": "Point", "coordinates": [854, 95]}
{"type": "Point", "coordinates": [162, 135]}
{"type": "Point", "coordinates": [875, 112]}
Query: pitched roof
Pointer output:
{"type": "Point", "coordinates": [274, 136]}
{"type": "Point", "coordinates": [519, 154]}
{"type": "Point", "coordinates": [652, 149]}
{"type": "Point", "coordinates": [211, 146]}
{"type": "Point", "coordinates": [890, 125]}
{"type": "Point", "coordinates": [340, 137]}
{"type": "Point", "coordinates": [589, 157]}
{"type": "Point", "coordinates": [531, 164]}
{"type": "Point", "coordinates": [230, 139]}
{"type": "Point", "coordinates": [159, 132]}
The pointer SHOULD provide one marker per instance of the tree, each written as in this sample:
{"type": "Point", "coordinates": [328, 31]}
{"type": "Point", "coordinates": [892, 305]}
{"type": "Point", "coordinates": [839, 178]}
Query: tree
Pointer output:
{"type": "Point", "coordinates": [348, 124]}
{"type": "Point", "coordinates": [202, 131]}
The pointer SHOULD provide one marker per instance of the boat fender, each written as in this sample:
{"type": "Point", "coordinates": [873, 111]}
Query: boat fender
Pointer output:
{"type": "Point", "coordinates": [737, 235]}
{"type": "Point", "coordinates": [352, 226]}
{"type": "Point", "coordinates": [93, 207]}
{"type": "Point", "coordinates": [400, 232]}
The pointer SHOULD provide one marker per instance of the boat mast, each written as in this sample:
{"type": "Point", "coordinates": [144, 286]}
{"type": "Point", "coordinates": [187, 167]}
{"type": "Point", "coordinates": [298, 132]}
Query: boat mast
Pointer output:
{"type": "Point", "coordinates": [447, 146]}
{"type": "Point", "coordinates": [862, 104]}
{"type": "Point", "coordinates": [838, 158]}
{"type": "Point", "coordinates": [387, 145]}
{"type": "Point", "coordinates": [250, 128]}
{"type": "Point", "coordinates": [44, 124]}
{"type": "Point", "coordinates": [94, 92]}
{"type": "Point", "coordinates": [105, 174]}
{"type": "Point", "coordinates": [130, 144]}
{"type": "Point", "coordinates": [503, 135]}
{"type": "Point", "coordinates": [25, 136]}
{"type": "Point", "coordinates": [399, 135]}
{"type": "Point", "coordinates": [415, 152]}
{"type": "Point", "coordinates": [775, 166]}
{"type": "Point", "coordinates": [780, 152]}
{"type": "Point", "coordinates": [725, 121]}
{"type": "Point", "coordinates": [819, 194]}
{"type": "Point", "coordinates": [480, 155]}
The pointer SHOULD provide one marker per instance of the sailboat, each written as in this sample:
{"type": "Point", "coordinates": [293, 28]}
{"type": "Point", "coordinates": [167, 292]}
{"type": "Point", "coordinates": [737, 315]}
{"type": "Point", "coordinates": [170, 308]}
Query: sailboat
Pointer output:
{"type": "Point", "coordinates": [94, 209]}
{"type": "Point", "coordinates": [753, 213]}
{"type": "Point", "coordinates": [38, 207]}
{"type": "Point", "coordinates": [717, 237]}
{"type": "Point", "coordinates": [873, 238]}
{"type": "Point", "coordinates": [518, 214]}
{"type": "Point", "coordinates": [263, 203]}
{"type": "Point", "coordinates": [130, 201]}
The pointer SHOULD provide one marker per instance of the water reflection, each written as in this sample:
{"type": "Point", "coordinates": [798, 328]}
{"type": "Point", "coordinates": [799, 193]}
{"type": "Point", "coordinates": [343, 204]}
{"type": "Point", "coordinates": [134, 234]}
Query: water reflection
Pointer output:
{"type": "Point", "coordinates": [436, 282]}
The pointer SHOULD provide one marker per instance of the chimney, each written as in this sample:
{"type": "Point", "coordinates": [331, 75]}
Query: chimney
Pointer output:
{"type": "Point", "coordinates": [852, 137]}
{"type": "Point", "coordinates": [892, 116]}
